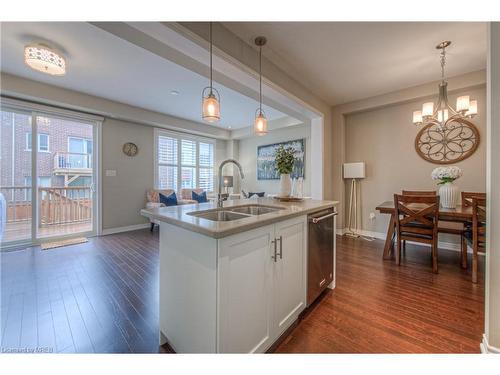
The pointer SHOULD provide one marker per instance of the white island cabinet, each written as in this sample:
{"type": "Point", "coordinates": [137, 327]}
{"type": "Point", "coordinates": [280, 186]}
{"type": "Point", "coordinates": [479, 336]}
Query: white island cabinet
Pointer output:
{"type": "Point", "coordinates": [233, 286]}
{"type": "Point", "coordinates": [262, 288]}
{"type": "Point", "coordinates": [236, 294]}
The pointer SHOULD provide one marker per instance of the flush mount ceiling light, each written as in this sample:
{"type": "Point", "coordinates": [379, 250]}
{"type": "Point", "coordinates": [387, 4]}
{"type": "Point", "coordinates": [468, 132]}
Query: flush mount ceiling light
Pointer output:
{"type": "Point", "coordinates": [45, 59]}
{"type": "Point", "coordinates": [211, 97]}
{"type": "Point", "coordinates": [443, 113]}
{"type": "Point", "coordinates": [260, 124]}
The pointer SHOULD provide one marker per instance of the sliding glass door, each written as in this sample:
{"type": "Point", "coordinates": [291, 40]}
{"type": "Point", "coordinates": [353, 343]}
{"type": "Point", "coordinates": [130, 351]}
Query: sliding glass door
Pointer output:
{"type": "Point", "coordinates": [60, 200]}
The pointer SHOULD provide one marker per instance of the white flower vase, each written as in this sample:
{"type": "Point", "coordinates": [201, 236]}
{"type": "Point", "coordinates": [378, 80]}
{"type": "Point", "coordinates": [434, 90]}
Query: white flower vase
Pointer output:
{"type": "Point", "coordinates": [285, 185]}
{"type": "Point", "coordinates": [448, 194]}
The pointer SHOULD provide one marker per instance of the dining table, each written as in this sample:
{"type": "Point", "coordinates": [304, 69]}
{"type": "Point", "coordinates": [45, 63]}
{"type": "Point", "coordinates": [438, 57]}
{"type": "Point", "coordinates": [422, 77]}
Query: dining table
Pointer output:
{"type": "Point", "coordinates": [459, 214]}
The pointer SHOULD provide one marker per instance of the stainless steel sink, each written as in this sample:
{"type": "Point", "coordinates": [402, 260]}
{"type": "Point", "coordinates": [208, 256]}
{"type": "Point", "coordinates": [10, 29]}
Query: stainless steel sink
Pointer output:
{"type": "Point", "coordinates": [218, 215]}
{"type": "Point", "coordinates": [255, 209]}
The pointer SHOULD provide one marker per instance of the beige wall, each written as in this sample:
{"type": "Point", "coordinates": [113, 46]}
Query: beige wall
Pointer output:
{"type": "Point", "coordinates": [384, 139]}
{"type": "Point", "coordinates": [492, 308]}
{"type": "Point", "coordinates": [248, 158]}
{"type": "Point", "coordinates": [339, 114]}
{"type": "Point", "coordinates": [124, 195]}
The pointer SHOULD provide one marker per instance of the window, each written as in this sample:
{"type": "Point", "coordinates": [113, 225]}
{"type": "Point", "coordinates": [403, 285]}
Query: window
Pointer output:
{"type": "Point", "coordinates": [184, 161]}
{"type": "Point", "coordinates": [79, 152]}
{"type": "Point", "coordinates": [43, 142]}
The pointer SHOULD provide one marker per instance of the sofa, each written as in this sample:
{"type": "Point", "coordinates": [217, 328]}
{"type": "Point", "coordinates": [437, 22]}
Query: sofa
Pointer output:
{"type": "Point", "coordinates": [153, 200]}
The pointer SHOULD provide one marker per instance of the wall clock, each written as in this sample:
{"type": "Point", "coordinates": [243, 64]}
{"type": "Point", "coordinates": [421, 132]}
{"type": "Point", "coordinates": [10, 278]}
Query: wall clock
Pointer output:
{"type": "Point", "coordinates": [455, 141]}
{"type": "Point", "coordinates": [130, 149]}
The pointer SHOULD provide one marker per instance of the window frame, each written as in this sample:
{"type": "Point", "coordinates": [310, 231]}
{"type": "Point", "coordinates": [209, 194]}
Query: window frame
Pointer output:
{"type": "Point", "coordinates": [179, 137]}
{"type": "Point", "coordinates": [28, 144]}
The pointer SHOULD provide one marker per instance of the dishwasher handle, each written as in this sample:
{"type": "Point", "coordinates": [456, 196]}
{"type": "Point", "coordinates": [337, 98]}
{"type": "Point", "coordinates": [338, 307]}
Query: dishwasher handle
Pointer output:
{"type": "Point", "coordinates": [316, 220]}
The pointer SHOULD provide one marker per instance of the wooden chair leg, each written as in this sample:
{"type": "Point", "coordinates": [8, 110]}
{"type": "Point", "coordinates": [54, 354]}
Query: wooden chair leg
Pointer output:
{"type": "Point", "coordinates": [474, 265]}
{"type": "Point", "coordinates": [434, 257]}
{"type": "Point", "coordinates": [464, 253]}
{"type": "Point", "coordinates": [398, 252]}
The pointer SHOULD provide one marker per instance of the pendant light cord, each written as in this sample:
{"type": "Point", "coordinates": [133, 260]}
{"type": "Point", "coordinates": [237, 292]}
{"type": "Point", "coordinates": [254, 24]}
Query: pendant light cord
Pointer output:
{"type": "Point", "coordinates": [443, 62]}
{"type": "Point", "coordinates": [260, 79]}
{"type": "Point", "coordinates": [210, 57]}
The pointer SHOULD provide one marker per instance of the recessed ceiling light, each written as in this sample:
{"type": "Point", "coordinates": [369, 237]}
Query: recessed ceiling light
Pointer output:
{"type": "Point", "coordinates": [174, 92]}
{"type": "Point", "coordinates": [45, 59]}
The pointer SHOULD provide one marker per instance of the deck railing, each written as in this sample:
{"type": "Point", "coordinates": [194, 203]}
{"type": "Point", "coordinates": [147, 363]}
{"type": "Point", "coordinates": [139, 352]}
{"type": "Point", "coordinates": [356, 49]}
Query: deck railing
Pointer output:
{"type": "Point", "coordinates": [57, 205]}
{"type": "Point", "coordinates": [72, 160]}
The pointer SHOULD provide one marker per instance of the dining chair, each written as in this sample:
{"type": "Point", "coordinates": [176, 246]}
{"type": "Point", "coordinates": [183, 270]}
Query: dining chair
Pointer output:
{"type": "Point", "coordinates": [416, 220]}
{"type": "Point", "coordinates": [467, 197]}
{"type": "Point", "coordinates": [419, 192]}
{"type": "Point", "coordinates": [476, 235]}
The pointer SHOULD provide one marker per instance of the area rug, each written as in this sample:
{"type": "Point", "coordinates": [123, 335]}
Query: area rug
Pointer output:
{"type": "Point", "coordinates": [70, 241]}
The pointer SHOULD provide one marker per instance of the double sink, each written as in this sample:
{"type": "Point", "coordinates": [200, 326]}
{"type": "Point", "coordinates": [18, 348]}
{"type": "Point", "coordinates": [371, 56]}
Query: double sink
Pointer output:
{"type": "Point", "coordinates": [235, 212]}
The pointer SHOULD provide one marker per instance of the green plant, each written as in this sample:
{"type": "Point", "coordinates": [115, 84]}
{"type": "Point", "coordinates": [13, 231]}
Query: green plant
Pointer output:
{"type": "Point", "coordinates": [284, 159]}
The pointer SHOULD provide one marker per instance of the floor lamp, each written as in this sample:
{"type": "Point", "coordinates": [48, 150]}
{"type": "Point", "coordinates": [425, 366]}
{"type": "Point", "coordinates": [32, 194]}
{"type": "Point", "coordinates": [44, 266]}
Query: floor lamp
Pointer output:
{"type": "Point", "coordinates": [353, 171]}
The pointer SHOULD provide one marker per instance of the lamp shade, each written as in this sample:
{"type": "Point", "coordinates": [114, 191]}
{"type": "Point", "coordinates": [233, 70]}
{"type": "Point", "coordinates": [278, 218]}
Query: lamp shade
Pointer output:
{"type": "Point", "coordinates": [228, 181]}
{"type": "Point", "coordinates": [354, 170]}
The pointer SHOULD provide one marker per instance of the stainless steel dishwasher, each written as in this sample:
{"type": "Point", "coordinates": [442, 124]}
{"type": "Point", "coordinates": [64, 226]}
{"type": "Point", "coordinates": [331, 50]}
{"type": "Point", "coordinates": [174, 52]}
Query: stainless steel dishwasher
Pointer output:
{"type": "Point", "coordinates": [321, 247]}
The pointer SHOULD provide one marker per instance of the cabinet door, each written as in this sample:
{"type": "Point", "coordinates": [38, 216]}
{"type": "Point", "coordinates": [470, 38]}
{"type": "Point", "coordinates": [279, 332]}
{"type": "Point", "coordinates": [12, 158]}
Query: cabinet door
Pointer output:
{"type": "Point", "coordinates": [244, 292]}
{"type": "Point", "coordinates": [289, 273]}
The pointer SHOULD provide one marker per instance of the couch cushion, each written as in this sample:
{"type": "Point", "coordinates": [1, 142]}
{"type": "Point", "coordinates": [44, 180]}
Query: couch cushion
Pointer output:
{"type": "Point", "coordinates": [170, 200]}
{"type": "Point", "coordinates": [200, 198]}
{"type": "Point", "coordinates": [154, 195]}
{"type": "Point", "coordinates": [260, 194]}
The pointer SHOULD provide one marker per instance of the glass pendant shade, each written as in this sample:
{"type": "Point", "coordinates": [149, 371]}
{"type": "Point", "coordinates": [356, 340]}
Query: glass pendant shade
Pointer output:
{"type": "Point", "coordinates": [463, 103]}
{"type": "Point", "coordinates": [472, 108]}
{"type": "Point", "coordinates": [45, 59]}
{"type": "Point", "coordinates": [427, 109]}
{"type": "Point", "coordinates": [417, 117]}
{"type": "Point", "coordinates": [211, 108]}
{"type": "Point", "coordinates": [260, 125]}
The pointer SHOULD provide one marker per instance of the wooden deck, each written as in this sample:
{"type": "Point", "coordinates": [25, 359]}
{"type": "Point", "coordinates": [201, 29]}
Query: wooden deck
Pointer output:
{"type": "Point", "coordinates": [21, 230]}
{"type": "Point", "coordinates": [102, 296]}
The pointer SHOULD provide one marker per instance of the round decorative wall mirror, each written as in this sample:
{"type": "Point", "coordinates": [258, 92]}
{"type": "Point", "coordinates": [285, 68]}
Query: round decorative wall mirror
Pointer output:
{"type": "Point", "coordinates": [455, 141]}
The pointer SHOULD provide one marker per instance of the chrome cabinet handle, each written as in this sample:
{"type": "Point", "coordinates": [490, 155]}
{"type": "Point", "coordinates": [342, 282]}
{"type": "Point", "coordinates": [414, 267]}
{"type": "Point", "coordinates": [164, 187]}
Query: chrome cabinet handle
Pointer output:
{"type": "Point", "coordinates": [275, 256]}
{"type": "Point", "coordinates": [281, 246]}
{"type": "Point", "coordinates": [316, 220]}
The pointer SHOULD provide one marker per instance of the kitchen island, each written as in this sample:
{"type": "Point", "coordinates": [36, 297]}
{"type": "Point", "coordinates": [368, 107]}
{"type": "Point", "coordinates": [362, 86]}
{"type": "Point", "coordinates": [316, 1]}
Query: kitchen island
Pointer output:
{"type": "Point", "coordinates": [232, 279]}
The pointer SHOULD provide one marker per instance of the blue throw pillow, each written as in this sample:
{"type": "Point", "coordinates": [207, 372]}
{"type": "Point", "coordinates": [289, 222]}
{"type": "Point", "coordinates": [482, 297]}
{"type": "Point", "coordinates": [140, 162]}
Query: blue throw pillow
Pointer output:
{"type": "Point", "coordinates": [171, 200]}
{"type": "Point", "coordinates": [260, 195]}
{"type": "Point", "coordinates": [200, 198]}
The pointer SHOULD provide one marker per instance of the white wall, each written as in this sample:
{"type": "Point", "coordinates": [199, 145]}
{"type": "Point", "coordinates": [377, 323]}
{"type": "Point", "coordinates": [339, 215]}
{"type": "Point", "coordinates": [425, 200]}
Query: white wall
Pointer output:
{"type": "Point", "coordinates": [492, 282]}
{"type": "Point", "coordinates": [247, 156]}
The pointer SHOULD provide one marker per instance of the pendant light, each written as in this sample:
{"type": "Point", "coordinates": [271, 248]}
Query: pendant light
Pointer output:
{"type": "Point", "coordinates": [260, 125]}
{"type": "Point", "coordinates": [211, 97]}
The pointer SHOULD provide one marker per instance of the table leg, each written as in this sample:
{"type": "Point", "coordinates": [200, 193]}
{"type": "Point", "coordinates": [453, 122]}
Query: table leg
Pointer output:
{"type": "Point", "coordinates": [389, 238]}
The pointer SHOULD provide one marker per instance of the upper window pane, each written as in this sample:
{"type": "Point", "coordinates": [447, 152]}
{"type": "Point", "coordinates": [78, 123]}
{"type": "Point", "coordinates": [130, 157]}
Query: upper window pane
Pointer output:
{"type": "Point", "coordinates": [167, 150]}
{"type": "Point", "coordinates": [206, 154]}
{"type": "Point", "coordinates": [188, 152]}
{"type": "Point", "coordinates": [43, 142]}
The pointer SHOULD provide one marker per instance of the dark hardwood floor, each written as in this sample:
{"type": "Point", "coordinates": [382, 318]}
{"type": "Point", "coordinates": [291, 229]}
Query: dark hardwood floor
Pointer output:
{"type": "Point", "coordinates": [102, 296]}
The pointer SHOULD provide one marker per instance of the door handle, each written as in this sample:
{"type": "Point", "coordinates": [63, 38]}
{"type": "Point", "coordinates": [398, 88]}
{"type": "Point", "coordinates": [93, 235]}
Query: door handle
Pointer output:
{"type": "Point", "coordinates": [275, 256]}
{"type": "Point", "coordinates": [281, 246]}
{"type": "Point", "coordinates": [316, 220]}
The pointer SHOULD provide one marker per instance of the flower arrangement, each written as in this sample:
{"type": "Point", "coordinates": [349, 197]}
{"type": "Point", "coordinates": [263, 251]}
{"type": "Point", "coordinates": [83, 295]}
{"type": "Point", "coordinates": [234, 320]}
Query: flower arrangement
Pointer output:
{"type": "Point", "coordinates": [284, 159]}
{"type": "Point", "coordinates": [446, 174]}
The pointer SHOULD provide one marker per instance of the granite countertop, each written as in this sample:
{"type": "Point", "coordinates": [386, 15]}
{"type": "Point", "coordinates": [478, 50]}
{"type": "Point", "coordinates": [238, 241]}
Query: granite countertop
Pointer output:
{"type": "Point", "coordinates": [178, 215]}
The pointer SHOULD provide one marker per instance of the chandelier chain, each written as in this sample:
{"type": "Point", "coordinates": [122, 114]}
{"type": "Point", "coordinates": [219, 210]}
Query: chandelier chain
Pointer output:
{"type": "Point", "coordinates": [210, 32]}
{"type": "Point", "coordinates": [260, 79]}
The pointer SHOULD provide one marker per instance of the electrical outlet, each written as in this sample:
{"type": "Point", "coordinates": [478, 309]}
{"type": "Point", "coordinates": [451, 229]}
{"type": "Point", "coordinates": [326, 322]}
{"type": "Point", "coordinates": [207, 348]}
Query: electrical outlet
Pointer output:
{"type": "Point", "coordinates": [372, 216]}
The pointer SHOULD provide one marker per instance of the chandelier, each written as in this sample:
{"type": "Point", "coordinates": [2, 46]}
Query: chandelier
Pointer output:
{"type": "Point", "coordinates": [443, 113]}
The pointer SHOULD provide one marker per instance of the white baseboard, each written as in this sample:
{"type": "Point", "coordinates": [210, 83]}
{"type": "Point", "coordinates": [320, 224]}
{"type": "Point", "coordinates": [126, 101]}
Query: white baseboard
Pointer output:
{"type": "Point", "coordinates": [454, 246]}
{"type": "Point", "coordinates": [129, 228]}
{"type": "Point", "coordinates": [487, 348]}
